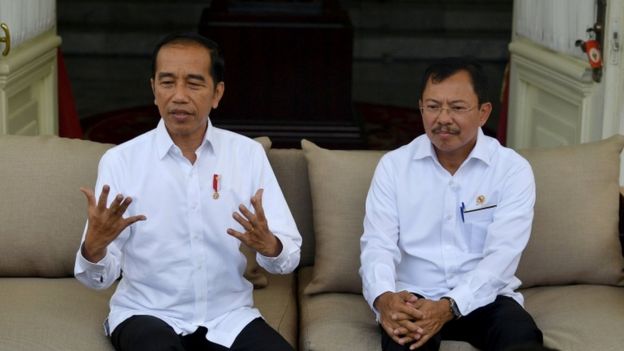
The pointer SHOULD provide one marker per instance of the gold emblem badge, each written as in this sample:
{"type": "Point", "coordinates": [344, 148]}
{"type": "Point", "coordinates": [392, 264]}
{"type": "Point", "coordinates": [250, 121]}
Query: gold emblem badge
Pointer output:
{"type": "Point", "coordinates": [480, 200]}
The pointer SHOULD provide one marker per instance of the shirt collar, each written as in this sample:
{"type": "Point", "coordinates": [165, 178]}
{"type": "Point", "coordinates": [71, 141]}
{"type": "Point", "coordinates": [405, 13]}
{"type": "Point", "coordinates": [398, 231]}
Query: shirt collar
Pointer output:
{"type": "Point", "coordinates": [424, 148]}
{"type": "Point", "coordinates": [481, 150]}
{"type": "Point", "coordinates": [164, 143]}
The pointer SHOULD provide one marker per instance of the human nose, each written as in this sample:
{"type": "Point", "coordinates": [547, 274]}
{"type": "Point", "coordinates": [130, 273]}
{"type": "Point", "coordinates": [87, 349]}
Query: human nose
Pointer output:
{"type": "Point", "coordinates": [445, 115]}
{"type": "Point", "coordinates": [180, 94]}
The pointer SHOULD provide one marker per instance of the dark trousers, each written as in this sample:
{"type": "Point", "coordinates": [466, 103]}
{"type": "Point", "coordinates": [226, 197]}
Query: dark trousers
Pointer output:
{"type": "Point", "coordinates": [499, 326]}
{"type": "Point", "coordinates": [148, 333]}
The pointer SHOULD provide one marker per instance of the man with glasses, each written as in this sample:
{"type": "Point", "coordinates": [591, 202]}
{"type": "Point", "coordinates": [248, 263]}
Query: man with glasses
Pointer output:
{"type": "Point", "coordinates": [447, 218]}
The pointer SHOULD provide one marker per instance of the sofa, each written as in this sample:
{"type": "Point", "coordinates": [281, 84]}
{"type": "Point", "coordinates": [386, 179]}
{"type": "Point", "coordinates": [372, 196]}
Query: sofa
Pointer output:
{"type": "Point", "coordinates": [571, 271]}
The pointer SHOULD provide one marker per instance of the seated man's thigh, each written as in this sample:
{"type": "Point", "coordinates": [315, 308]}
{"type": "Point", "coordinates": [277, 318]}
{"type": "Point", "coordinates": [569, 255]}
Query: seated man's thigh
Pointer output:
{"type": "Point", "coordinates": [259, 336]}
{"type": "Point", "coordinates": [497, 326]}
{"type": "Point", "coordinates": [142, 332]}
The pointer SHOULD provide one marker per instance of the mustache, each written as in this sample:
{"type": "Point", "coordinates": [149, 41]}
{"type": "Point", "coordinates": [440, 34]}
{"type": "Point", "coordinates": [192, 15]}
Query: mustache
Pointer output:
{"type": "Point", "coordinates": [445, 129]}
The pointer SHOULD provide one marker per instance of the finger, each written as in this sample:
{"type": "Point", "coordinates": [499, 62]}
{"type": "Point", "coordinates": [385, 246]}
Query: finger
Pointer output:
{"type": "Point", "coordinates": [389, 330]}
{"type": "Point", "coordinates": [412, 298]}
{"type": "Point", "coordinates": [400, 331]}
{"type": "Point", "coordinates": [410, 310]}
{"type": "Point", "coordinates": [115, 205]}
{"type": "Point", "coordinates": [405, 340]}
{"type": "Point", "coordinates": [124, 205]}
{"type": "Point", "coordinates": [238, 235]}
{"type": "Point", "coordinates": [245, 211]}
{"type": "Point", "coordinates": [88, 193]}
{"type": "Point", "coordinates": [103, 197]}
{"type": "Point", "coordinates": [407, 296]}
{"type": "Point", "coordinates": [256, 202]}
{"type": "Point", "coordinates": [131, 220]}
{"type": "Point", "coordinates": [395, 338]}
{"type": "Point", "coordinates": [420, 342]}
{"type": "Point", "coordinates": [399, 316]}
{"type": "Point", "coordinates": [242, 221]}
{"type": "Point", "coordinates": [410, 326]}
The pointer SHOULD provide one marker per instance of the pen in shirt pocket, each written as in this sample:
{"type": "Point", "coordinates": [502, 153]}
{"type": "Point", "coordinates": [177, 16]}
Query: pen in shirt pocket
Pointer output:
{"type": "Point", "coordinates": [463, 210]}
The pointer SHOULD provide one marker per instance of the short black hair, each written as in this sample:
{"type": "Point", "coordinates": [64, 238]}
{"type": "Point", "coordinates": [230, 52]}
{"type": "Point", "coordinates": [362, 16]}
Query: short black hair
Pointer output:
{"type": "Point", "coordinates": [217, 64]}
{"type": "Point", "coordinates": [446, 67]}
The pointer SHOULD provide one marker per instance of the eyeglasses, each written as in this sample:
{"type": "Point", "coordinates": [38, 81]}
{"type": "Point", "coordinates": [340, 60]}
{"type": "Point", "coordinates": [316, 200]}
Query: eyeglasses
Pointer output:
{"type": "Point", "coordinates": [453, 111]}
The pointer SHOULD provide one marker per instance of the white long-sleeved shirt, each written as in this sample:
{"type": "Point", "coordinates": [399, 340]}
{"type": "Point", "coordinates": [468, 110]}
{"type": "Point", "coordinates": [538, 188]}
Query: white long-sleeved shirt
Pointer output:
{"type": "Point", "coordinates": [416, 239]}
{"type": "Point", "coordinates": [180, 265]}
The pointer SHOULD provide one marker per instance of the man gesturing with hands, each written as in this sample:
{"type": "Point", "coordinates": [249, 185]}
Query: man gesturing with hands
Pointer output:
{"type": "Point", "coordinates": [172, 208]}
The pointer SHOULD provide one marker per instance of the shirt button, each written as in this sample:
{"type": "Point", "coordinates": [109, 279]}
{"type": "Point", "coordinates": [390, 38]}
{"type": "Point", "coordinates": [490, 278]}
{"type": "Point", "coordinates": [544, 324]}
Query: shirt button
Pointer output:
{"type": "Point", "coordinates": [449, 217]}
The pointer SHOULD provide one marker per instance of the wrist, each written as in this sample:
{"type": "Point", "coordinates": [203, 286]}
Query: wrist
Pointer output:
{"type": "Point", "coordinates": [453, 309]}
{"type": "Point", "coordinates": [277, 247]}
{"type": "Point", "coordinates": [92, 253]}
{"type": "Point", "coordinates": [378, 299]}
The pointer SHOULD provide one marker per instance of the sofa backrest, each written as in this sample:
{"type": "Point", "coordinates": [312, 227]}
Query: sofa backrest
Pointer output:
{"type": "Point", "coordinates": [291, 169]}
{"type": "Point", "coordinates": [42, 211]}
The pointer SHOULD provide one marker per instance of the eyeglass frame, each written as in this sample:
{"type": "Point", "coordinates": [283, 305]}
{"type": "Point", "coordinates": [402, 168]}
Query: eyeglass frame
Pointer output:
{"type": "Point", "coordinates": [449, 111]}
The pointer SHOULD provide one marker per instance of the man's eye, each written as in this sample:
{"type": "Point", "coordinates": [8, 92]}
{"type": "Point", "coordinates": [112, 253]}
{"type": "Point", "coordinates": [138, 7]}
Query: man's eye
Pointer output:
{"type": "Point", "coordinates": [433, 108]}
{"type": "Point", "coordinates": [459, 108]}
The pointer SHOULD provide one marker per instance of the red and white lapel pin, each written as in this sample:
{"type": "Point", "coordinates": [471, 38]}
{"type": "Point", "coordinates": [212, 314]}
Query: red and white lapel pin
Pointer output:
{"type": "Point", "coordinates": [215, 186]}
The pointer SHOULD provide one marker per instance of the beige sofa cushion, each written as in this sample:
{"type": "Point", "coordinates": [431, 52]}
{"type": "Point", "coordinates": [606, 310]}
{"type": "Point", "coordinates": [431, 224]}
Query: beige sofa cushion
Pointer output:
{"type": "Point", "coordinates": [42, 212]}
{"type": "Point", "coordinates": [278, 305]}
{"type": "Point", "coordinates": [291, 170]}
{"type": "Point", "coordinates": [578, 317]}
{"type": "Point", "coordinates": [575, 235]}
{"type": "Point", "coordinates": [339, 181]}
{"type": "Point", "coordinates": [52, 314]}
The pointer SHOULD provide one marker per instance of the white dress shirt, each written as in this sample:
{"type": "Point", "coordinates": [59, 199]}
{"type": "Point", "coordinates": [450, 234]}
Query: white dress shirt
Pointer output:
{"type": "Point", "coordinates": [180, 265]}
{"type": "Point", "coordinates": [416, 239]}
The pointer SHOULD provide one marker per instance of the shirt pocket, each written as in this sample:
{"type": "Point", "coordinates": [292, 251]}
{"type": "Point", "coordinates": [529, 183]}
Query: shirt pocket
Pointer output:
{"type": "Point", "coordinates": [478, 222]}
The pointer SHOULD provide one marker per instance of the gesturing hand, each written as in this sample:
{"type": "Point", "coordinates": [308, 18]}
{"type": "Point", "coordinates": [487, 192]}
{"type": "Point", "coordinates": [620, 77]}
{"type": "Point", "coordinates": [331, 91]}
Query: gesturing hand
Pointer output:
{"type": "Point", "coordinates": [105, 224]}
{"type": "Point", "coordinates": [257, 234]}
{"type": "Point", "coordinates": [398, 316]}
